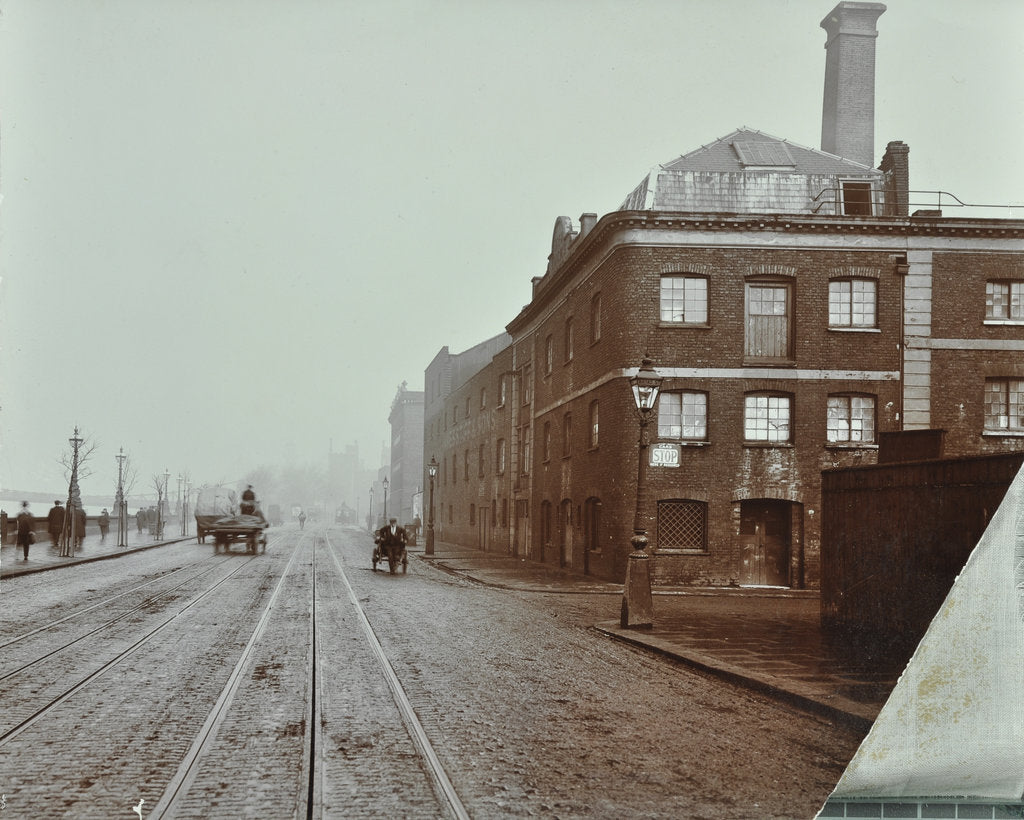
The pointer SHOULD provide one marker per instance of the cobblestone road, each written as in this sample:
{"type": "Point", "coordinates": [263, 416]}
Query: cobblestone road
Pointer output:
{"type": "Point", "coordinates": [530, 712]}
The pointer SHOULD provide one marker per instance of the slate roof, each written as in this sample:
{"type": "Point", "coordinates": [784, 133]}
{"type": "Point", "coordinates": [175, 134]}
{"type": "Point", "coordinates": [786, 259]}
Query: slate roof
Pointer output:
{"type": "Point", "coordinates": [724, 156]}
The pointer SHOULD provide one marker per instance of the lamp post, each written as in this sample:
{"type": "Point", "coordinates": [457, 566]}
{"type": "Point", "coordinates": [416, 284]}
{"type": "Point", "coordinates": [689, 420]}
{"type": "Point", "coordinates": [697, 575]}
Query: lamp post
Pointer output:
{"type": "Point", "coordinates": [74, 500]}
{"type": "Point", "coordinates": [385, 483]}
{"type": "Point", "coordinates": [122, 521]}
{"type": "Point", "coordinates": [161, 497]}
{"type": "Point", "coordinates": [637, 604]}
{"type": "Point", "coordinates": [369, 515]}
{"type": "Point", "coordinates": [432, 472]}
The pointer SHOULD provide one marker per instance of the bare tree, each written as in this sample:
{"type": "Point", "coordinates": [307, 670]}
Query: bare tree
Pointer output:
{"type": "Point", "coordinates": [74, 468]}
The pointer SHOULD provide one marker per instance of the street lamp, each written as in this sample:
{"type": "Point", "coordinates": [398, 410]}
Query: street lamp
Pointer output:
{"type": "Point", "coordinates": [637, 604]}
{"type": "Point", "coordinates": [161, 499]}
{"type": "Point", "coordinates": [74, 499]}
{"type": "Point", "coordinates": [369, 515]}
{"type": "Point", "coordinates": [385, 483]}
{"type": "Point", "coordinates": [432, 472]}
{"type": "Point", "coordinates": [122, 521]}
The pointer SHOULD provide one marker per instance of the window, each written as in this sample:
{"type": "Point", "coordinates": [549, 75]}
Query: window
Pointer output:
{"type": "Point", "coordinates": [549, 354]}
{"type": "Point", "coordinates": [480, 462]}
{"type": "Point", "coordinates": [524, 438]}
{"type": "Point", "coordinates": [504, 513]}
{"type": "Point", "coordinates": [499, 457]}
{"type": "Point", "coordinates": [1004, 404]}
{"type": "Point", "coordinates": [503, 390]}
{"type": "Point", "coordinates": [468, 406]}
{"type": "Point", "coordinates": [768, 325]}
{"type": "Point", "coordinates": [856, 198]}
{"type": "Point", "coordinates": [766, 417]}
{"type": "Point", "coordinates": [465, 466]}
{"type": "Point", "coordinates": [527, 387]}
{"type": "Point", "coordinates": [684, 299]}
{"type": "Point", "coordinates": [472, 515]}
{"type": "Point", "coordinates": [455, 467]}
{"type": "Point", "coordinates": [851, 419]}
{"type": "Point", "coordinates": [851, 303]}
{"type": "Point", "coordinates": [483, 397]}
{"type": "Point", "coordinates": [683, 525]}
{"type": "Point", "coordinates": [546, 442]}
{"type": "Point", "coordinates": [593, 425]}
{"type": "Point", "coordinates": [570, 340]}
{"type": "Point", "coordinates": [1004, 300]}
{"type": "Point", "coordinates": [683, 416]}
{"type": "Point", "coordinates": [595, 318]}
{"type": "Point", "coordinates": [567, 435]}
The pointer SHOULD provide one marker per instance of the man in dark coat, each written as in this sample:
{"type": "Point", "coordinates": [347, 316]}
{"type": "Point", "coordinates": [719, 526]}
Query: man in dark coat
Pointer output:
{"type": "Point", "coordinates": [55, 522]}
{"type": "Point", "coordinates": [391, 538]}
{"type": "Point", "coordinates": [26, 524]}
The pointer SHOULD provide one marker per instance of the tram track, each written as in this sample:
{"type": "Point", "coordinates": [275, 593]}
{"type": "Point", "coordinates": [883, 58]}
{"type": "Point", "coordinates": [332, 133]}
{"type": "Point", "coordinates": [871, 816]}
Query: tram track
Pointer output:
{"type": "Point", "coordinates": [440, 781]}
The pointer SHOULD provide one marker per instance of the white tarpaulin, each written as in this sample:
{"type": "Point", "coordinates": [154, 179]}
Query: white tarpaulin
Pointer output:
{"type": "Point", "coordinates": [954, 724]}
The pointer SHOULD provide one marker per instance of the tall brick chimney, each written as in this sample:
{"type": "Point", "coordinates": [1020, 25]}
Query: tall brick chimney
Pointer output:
{"type": "Point", "coordinates": [848, 112]}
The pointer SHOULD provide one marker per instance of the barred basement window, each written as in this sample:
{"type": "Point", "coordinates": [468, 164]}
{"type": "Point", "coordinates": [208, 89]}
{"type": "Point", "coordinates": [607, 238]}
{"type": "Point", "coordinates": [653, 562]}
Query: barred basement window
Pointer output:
{"type": "Point", "coordinates": [683, 525]}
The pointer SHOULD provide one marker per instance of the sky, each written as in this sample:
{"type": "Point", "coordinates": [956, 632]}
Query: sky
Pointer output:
{"type": "Point", "coordinates": [230, 229]}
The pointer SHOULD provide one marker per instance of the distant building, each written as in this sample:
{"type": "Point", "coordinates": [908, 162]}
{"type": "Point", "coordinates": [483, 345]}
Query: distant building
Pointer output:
{"type": "Point", "coordinates": [796, 309]}
{"type": "Point", "coordinates": [406, 420]}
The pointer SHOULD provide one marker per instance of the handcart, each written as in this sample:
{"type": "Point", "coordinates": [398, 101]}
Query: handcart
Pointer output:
{"type": "Point", "coordinates": [394, 555]}
{"type": "Point", "coordinates": [249, 529]}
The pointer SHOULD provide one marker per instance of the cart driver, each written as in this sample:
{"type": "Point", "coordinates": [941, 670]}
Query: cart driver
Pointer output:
{"type": "Point", "coordinates": [391, 536]}
{"type": "Point", "coordinates": [248, 506]}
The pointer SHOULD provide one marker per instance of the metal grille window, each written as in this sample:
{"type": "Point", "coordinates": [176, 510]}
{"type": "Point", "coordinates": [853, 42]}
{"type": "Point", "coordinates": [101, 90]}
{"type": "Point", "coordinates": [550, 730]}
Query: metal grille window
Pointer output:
{"type": "Point", "coordinates": [684, 299]}
{"type": "Point", "coordinates": [851, 302]}
{"type": "Point", "coordinates": [683, 416]}
{"type": "Point", "coordinates": [767, 418]}
{"type": "Point", "coordinates": [851, 419]}
{"type": "Point", "coordinates": [1004, 300]}
{"type": "Point", "coordinates": [1004, 404]}
{"type": "Point", "coordinates": [683, 525]}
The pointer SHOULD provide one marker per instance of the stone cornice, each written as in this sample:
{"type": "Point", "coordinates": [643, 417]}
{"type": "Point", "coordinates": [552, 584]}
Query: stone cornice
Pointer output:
{"type": "Point", "coordinates": [898, 228]}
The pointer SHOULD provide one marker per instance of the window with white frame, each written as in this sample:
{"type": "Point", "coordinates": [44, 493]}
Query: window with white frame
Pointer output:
{"type": "Point", "coordinates": [684, 299]}
{"type": "Point", "coordinates": [1004, 405]}
{"type": "Point", "coordinates": [593, 425]}
{"type": "Point", "coordinates": [767, 417]}
{"type": "Point", "coordinates": [1004, 301]}
{"type": "Point", "coordinates": [683, 415]}
{"type": "Point", "coordinates": [502, 389]}
{"type": "Point", "coordinates": [851, 419]}
{"type": "Point", "coordinates": [851, 303]}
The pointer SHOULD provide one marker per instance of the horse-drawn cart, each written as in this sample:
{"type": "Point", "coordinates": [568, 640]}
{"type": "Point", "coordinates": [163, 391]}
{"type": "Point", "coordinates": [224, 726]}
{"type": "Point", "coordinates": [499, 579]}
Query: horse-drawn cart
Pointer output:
{"type": "Point", "coordinates": [235, 528]}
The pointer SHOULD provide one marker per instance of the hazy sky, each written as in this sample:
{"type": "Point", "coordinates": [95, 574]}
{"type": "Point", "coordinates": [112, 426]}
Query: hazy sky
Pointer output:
{"type": "Point", "coordinates": [231, 228]}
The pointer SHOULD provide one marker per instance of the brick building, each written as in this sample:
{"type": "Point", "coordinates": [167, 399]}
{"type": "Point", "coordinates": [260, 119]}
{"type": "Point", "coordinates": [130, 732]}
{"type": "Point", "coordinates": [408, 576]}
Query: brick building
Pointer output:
{"type": "Point", "coordinates": [796, 310]}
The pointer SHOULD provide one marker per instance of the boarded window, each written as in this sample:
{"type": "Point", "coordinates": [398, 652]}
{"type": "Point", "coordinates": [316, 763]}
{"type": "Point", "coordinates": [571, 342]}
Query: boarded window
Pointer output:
{"type": "Point", "coordinates": [768, 320]}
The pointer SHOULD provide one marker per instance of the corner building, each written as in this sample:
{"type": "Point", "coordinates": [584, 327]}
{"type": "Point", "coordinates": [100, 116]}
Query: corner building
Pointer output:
{"type": "Point", "coordinates": [795, 309]}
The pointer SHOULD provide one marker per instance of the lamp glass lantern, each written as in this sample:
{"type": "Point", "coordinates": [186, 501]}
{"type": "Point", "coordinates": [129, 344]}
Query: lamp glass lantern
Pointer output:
{"type": "Point", "coordinates": [432, 467]}
{"type": "Point", "coordinates": [646, 385]}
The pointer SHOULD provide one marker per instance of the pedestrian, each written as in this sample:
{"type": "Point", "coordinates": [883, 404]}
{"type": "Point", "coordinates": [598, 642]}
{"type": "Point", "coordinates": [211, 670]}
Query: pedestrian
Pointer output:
{"type": "Point", "coordinates": [79, 525]}
{"type": "Point", "coordinates": [392, 539]}
{"type": "Point", "coordinates": [104, 522]}
{"type": "Point", "coordinates": [302, 519]}
{"type": "Point", "coordinates": [26, 528]}
{"type": "Point", "coordinates": [140, 519]}
{"type": "Point", "coordinates": [55, 522]}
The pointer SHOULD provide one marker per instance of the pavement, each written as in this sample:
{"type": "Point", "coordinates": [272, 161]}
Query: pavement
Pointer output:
{"type": "Point", "coordinates": [767, 639]}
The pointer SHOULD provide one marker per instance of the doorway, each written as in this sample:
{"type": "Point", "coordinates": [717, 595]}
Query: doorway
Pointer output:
{"type": "Point", "coordinates": [765, 538]}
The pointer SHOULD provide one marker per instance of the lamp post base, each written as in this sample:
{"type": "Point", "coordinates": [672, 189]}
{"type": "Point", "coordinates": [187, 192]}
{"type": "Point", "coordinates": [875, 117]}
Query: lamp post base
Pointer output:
{"type": "Point", "coordinates": [429, 548]}
{"type": "Point", "coordinates": [637, 603]}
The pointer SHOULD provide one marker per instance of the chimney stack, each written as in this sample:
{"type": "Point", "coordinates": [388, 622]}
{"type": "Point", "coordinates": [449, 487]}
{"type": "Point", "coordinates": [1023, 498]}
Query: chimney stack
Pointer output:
{"type": "Point", "coordinates": [848, 112]}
